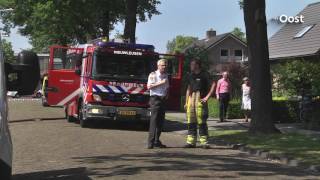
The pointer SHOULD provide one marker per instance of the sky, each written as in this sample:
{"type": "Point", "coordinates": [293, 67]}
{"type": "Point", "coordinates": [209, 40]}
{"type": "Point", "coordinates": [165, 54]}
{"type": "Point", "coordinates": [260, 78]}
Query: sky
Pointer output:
{"type": "Point", "coordinates": [191, 18]}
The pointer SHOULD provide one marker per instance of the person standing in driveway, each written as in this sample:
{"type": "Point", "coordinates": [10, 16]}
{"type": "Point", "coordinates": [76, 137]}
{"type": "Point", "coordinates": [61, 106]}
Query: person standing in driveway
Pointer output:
{"type": "Point", "coordinates": [246, 99]}
{"type": "Point", "coordinates": [158, 84]}
{"type": "Point", "coordinates": [199, 91]}
{"type": "Point", "coordinates": [223, 95]}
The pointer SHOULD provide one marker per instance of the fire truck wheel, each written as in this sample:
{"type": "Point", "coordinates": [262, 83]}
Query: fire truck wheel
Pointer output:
{"type": "Point", "coordinates": [83, 123]}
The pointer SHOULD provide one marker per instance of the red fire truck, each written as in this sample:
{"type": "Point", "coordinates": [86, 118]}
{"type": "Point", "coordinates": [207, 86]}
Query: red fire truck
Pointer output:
{"type": "Point", "coordinates": [107, 80]}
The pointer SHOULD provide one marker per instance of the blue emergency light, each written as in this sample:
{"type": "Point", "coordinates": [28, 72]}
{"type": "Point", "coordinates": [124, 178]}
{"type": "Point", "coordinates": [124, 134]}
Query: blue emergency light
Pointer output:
{"type": "Point", "coordinates": [103, 43]}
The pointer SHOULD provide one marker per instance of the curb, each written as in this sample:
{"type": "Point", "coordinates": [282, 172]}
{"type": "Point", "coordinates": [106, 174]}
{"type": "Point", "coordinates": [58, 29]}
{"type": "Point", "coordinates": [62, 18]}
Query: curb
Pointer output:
{"type": "Point", "coordinates": [281, 158]}
{"type": "Point", "coordinates": [36, 120]}
{"type": "Point", "coordinates": [173, 117]}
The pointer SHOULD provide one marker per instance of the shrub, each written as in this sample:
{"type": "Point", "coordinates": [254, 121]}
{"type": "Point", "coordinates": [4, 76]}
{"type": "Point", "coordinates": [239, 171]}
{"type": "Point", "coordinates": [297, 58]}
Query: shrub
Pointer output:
{"type": "Point", "coordinates": [295, 75]}
{"type": "Point", "coordinates": [213, 106]}
{"type": "Point", "coordinates": [234, 109]}
{"type": "Point", "coordinates": [285, 111]}
{"type": "Point", "coordinates": [237, 72]}
{"type": "Point", "coordinates": [278, 98]}
{"type": "Point", "coordinates": [314, 122]}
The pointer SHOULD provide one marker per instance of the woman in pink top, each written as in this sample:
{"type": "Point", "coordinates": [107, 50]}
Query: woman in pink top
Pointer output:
{"type": "Point", "coordinates": [223, 95]}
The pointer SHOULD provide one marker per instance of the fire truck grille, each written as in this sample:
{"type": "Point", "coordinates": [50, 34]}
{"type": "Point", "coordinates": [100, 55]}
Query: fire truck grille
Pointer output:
{"type": "Point", "coordinates": [137, 98]}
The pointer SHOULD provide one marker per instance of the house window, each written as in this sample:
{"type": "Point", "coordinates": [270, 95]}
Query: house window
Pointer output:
{"type": "Point", "coordinates": [224, 53]}
{"type": "Point", "coordinates": [303, 31]}
{"type": "Point", "coordinates": [238, 54]}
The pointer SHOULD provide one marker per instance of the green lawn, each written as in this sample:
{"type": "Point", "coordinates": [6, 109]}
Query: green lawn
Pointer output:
{"type": "Point", "coordinates": [300, 147]}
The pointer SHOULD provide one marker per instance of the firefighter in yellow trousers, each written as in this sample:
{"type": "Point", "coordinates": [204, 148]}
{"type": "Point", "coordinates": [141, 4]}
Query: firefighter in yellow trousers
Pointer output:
{"type": "Point", "coordinates": [199, 91]}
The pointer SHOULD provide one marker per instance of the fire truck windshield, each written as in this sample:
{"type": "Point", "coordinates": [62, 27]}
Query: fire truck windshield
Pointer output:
{"type": "Point", "coordinates": [120, 66]}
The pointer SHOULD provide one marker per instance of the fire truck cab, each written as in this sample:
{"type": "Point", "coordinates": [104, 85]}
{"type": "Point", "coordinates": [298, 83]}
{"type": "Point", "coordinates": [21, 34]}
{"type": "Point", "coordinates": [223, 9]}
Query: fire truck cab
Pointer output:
{"type": "Point", "coordinates": [107, 80]}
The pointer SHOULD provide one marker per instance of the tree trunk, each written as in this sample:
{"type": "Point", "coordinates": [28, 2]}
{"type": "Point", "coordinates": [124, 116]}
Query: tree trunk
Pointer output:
{"type": "Point", "coordinates": [256, 31]}
{"type": "Point", "coordinates": [106, 24]}
{"type": "Point", "coordinates": [131, 20]}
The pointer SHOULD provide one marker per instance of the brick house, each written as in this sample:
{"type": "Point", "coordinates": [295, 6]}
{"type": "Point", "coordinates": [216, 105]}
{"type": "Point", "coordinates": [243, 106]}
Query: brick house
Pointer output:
{"type": "Point", "coordinates": [223, 50]}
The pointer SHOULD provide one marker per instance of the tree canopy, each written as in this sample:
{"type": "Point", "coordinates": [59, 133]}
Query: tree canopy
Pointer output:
{"type": "Point", "coordinates": [69, 21]}
{"type": "Point", "coordinates": [239, 33]}
{"type": "Point", "coordinates": [179, 43]}
{"type": "Point", "coordinates": [8, 52]}
{"type": "Point", "coordinates": [297, 74]}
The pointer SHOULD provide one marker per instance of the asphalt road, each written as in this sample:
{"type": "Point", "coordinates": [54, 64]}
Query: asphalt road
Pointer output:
{"type": "Point", "coordinates": [46, 146]}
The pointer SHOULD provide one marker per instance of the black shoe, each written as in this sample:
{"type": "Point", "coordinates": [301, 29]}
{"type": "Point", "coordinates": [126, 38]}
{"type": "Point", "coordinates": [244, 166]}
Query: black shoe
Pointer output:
{"type": "Point", "coordinates": [160, 145]}
{"type": "Point", "coordinates": [205, 146]}
{"type": "Point", "coordinates": [190, 146]}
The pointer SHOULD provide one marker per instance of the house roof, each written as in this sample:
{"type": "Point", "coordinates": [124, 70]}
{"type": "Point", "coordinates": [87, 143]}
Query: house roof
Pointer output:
{"type": "Point", "coordinates": [283, 44]}
{"type": "Point", "coordinates": [213, 41]}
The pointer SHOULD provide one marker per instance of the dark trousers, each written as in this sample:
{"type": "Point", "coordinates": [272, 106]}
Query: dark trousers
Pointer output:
{"type": "Point", "coordinates": [223, 105]}
{"type": "Point", "coordinates": [157, 106]}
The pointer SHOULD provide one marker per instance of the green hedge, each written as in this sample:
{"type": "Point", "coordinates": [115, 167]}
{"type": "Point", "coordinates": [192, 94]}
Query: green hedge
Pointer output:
{"type": "Point", "coordinates": [234, 110]}
{"type": "Point", "coordinates": [284, 111]}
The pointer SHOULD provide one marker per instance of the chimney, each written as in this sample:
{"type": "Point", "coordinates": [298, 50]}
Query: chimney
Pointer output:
{"type": "Point", "coordinates": [210, 33]}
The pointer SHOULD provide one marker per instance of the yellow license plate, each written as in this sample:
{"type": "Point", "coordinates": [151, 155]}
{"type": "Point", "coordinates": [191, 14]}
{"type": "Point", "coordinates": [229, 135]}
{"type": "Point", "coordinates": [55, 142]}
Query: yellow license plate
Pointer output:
{"type": "Point", "coordinates": [127, 113]}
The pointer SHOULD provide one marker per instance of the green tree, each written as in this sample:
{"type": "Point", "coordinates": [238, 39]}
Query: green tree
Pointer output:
{"type": "Point", "coordinates": [237, 72]}
{"type": "Point", "coordinates": [240, 2]}
{"type": "Point", "coordinates": [179, 43]}
{"type": "Point", "coordinates": [298, 74]}
{"type": "Point", "coordinates": [8, 52]}
{"type": "Point", "coordinates": [238, 32]}
{"type": "Point", "coordinates": [68, 21]}
{"type": "Point", "coordinates": [54, 22]}
{"type": "Point", "coordinates": [256, 32]}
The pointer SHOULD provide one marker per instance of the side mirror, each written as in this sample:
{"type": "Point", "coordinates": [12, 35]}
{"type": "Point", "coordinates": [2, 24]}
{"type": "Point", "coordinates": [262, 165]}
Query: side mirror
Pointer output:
{"type": "Point", "coordinates": [77, 71]}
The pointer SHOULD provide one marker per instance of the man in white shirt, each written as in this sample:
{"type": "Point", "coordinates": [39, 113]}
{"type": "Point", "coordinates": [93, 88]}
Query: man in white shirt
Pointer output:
{"type": "Point", "coordinates": [158, 84]}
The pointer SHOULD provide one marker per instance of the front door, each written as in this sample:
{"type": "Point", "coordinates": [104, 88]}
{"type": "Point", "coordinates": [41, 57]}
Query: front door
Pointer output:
{"type": "Point", "coordinates": [63, 75]}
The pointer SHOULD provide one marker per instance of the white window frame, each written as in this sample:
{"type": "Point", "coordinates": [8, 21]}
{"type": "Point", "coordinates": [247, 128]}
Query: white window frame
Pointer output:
{"type": "Point", "coordinates": [304, 31]}
{"type": "Point", "coordinates": [238, 58]}
{"type": "Point", "coordinates": [225, 58]}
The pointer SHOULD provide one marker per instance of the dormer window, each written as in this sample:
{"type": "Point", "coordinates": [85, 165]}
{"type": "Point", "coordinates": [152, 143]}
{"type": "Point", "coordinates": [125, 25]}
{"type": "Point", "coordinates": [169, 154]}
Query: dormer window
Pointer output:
{"type": "Point", "coordinates": [303, 31]}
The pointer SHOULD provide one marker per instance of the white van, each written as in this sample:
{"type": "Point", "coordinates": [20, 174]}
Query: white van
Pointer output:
{"type": "Point", "coordinates": [27, 68]}
{"type": "Point", "coordinates": [5, 138]}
